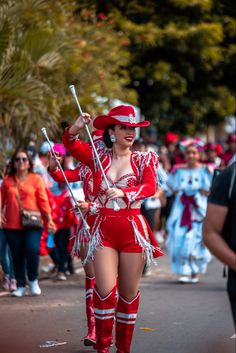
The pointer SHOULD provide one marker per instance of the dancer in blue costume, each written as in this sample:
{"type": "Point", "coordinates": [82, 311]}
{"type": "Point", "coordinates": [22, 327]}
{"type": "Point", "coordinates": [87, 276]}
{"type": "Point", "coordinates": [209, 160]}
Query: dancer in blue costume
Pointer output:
{"type": "Point", "coordinates": [190, 184]}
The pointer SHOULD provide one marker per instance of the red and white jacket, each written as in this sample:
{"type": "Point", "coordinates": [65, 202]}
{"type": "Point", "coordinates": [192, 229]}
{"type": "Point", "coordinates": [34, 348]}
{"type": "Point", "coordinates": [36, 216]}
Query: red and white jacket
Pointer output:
{"type": "Point", "coordinates": [136, 186]}
{"type": "Point", "coordinates": [144, 165]}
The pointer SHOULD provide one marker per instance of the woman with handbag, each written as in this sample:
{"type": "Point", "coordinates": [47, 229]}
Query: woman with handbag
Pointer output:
{"type": "Point", "coordinates": [26, 208]}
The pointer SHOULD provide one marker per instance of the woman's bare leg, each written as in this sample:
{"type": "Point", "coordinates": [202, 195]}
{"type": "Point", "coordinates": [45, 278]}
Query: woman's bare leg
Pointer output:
{"type": "Point", "coordinates": [88, 268]}
{"type": "Point", "coordinates": [130, 271]}
{"type": "Point", "coordinates": [106, 267]}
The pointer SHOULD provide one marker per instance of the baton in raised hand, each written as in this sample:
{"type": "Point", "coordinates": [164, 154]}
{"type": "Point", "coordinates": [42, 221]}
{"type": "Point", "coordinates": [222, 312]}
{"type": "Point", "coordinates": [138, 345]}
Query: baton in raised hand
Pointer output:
{"type": "Point", "coordinates": [73, 91]}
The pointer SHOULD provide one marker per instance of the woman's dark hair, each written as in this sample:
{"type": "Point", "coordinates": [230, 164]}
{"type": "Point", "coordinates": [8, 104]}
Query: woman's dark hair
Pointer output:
{"type": "Point", "coordinates": [64, 125]}
{"type": "Point", "coordinates": [11, 170]}
{"type": "Point", "coordinates": [106, 136]}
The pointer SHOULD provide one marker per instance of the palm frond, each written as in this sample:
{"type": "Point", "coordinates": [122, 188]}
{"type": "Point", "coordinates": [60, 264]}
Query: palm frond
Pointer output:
{"type": "Point", "coordinates": [6, 30]}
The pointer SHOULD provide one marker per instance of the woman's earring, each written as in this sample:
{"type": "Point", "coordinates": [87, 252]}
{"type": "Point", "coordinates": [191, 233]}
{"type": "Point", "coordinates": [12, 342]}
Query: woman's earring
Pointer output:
{"type": "Point", "coordinates": [113, 138]}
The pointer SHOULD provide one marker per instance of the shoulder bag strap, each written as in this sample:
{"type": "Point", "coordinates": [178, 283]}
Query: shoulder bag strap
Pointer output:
{"type": "Point", "coordinates": [17, 193]}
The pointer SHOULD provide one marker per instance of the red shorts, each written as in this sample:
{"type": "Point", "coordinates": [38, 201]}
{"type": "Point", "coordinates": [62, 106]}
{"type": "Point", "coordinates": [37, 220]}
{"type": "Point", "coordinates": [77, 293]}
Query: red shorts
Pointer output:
{"type": "Point", "coordinates": [118, 230]}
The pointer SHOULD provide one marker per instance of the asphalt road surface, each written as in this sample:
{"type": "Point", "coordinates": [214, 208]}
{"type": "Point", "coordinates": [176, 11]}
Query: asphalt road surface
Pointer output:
{"type": "Point", "coordinates": [173, 318]}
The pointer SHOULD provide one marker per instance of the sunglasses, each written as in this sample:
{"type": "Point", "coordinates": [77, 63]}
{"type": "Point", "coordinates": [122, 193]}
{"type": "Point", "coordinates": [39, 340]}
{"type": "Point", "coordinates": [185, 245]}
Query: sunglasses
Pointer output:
{"type": "Point", "coordinates": [21, 159]}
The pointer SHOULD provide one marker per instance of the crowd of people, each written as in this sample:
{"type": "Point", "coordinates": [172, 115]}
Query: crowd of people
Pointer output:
{"type": "Point", "coordinates": [157, 194]}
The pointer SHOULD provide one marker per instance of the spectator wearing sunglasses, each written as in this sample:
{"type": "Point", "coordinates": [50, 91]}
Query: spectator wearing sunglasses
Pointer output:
{"type": "Point", "coordinates": [21, 184]}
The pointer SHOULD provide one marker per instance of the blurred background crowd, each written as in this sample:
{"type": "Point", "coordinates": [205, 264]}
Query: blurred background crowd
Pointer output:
{"type": "Point", "coordinates": [173, 60]}
{"type": "Point", "coordinates": [178, 159]}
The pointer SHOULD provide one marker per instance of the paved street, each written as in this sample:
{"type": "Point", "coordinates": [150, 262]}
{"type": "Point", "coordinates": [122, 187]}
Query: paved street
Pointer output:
{"type": "Point", "coordinates": [173, 318]}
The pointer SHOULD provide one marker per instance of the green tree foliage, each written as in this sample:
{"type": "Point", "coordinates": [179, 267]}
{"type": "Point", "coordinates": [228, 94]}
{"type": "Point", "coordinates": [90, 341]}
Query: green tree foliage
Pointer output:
{"type": "Point", "coordinates": [44, 47]}
{"type": "Point", "coordinates": [176, 56]}
{"type": "Point", "coordinates": [183, 59]}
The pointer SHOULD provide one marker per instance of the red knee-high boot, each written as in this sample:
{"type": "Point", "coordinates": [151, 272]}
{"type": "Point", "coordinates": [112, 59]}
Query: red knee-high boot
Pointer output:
{"type": "Point", "coordinates": [104, 312]}
{"type": "Point", "coordinates": [90, 339]}
{"type": "Point", "coordinates": [125, 320]}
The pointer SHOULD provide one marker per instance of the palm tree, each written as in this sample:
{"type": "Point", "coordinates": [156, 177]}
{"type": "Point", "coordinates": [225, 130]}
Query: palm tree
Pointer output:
{"type": "Point", "coordinates": [44, 47]}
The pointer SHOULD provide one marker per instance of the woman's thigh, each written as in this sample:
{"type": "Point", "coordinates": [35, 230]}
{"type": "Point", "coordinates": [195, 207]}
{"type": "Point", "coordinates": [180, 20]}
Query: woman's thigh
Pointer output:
{"type": "Point", "coordinates": [106, 269]}
{"type": "Point", "coordinates": [89, 267]}
{"type": "Point", "coordinates": [83, 251]}
{"type": "Point", "coordinates": [130, 271]}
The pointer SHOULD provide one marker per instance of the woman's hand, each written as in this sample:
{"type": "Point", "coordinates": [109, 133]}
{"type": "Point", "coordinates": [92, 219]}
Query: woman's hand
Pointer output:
{"type": "Point", "coordinates": [50, 224]}
{"type": "Point", "coordinates": [113, 193]}
{"type": "Point", "coordinates": [80, 123]}
{"type": "Point", "coordinates": [83, 206]}
{"type": "Point", "coordinates": [2, 219]}
{"type": "Point", "coordinates": [52, 162]}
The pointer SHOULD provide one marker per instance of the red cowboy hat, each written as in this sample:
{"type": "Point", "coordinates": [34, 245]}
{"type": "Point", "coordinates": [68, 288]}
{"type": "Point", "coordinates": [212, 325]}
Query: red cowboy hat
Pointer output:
{"type": "Point", "coordinates": [97, 134]}
{"type": "Point", "coordinates": [121, 115]}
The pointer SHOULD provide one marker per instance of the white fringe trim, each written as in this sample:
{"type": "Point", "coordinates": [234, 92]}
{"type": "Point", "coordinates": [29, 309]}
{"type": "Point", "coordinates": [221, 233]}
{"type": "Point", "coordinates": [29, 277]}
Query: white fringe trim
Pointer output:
{"type": "Point", "coordinates": [79, 240]}
{"type": "Point", "coordinates": [95, 242]}
{"type": "Point", "coordinates": [148, 249]}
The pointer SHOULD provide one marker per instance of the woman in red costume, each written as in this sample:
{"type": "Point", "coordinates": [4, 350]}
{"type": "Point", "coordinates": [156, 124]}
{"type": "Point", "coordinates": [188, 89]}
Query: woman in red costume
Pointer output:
{"type": "Point", "coordinates": [89, 208]}
{"type": "Point", "coordinates": [121, 240]}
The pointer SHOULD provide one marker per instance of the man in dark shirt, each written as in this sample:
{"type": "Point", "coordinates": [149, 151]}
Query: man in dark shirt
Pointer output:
{"type": "Point", "coordinates": [219, 229]}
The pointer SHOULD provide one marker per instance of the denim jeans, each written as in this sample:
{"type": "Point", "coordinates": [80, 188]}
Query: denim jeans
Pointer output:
{"type": "Point", "coordinates": [24, 245]}
{"type": "Point", "coordinates": [5, 256]}
{"type": "Point", "coordinates": [61, 238]}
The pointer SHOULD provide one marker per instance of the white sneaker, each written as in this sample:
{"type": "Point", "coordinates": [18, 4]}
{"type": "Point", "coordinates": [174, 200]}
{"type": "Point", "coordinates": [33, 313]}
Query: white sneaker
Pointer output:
{"type": "Point", "coordinates": [61, 276]}
{"type": "Point", "coordinates": [19, 292]}
{"type": "Point", "coordinates": [48, 268]}
{"type": "Point", "coordinates": [34, 287]}
{"type": "Point", "coordinates": [185, 279]}
{"type": "Point", "coordinates": [195, 280]}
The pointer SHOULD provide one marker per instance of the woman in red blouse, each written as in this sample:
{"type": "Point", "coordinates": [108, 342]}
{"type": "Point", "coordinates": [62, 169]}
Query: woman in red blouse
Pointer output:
{"type": "Point", "coordinates": [121, 240]}
{"type": "Point", "coordinates": [22, 183]}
